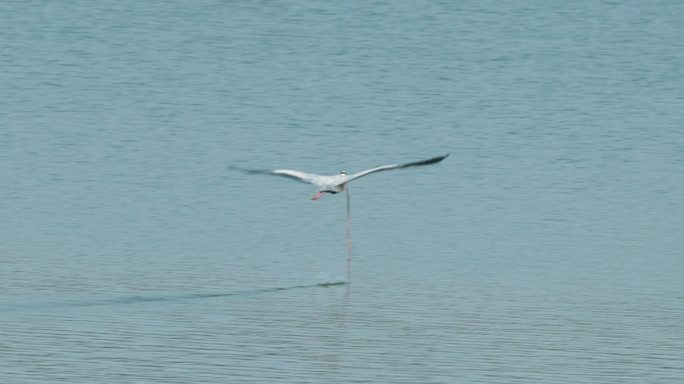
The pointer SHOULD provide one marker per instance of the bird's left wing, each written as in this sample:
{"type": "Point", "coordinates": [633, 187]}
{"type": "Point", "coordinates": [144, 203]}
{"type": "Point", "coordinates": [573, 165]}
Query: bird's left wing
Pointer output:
{"type": "Point", "coordinates": [304, 177]}
{"type": "Point", "coordinates": [433, 160]}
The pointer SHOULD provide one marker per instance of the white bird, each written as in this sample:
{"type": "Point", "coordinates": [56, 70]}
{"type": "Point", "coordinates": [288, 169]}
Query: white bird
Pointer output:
{"type": "Point", "coordinates": [336, 183]}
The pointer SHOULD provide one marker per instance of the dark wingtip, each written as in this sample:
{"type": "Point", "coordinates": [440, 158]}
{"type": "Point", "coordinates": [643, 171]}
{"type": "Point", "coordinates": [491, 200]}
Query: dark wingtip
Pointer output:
{"type": "Point", "coordinates": [247, 170]}
{"type": "Point", "coordinates": [435, 159]}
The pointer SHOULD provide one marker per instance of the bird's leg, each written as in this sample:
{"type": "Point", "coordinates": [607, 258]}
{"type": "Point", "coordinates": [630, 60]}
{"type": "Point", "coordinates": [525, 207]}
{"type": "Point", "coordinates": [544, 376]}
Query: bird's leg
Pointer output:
{"type": "Point", "coordinates": [318, 195]}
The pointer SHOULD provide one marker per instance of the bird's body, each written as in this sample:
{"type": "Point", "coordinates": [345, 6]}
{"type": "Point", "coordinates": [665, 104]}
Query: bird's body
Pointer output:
{"type": "Point", "coordinates": [329, 184]}
{"type": "Point", "coordinates": [337, 183]}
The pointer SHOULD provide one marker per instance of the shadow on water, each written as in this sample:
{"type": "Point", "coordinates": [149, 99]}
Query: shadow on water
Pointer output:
{"type": "Point", "coordinates": [147, 299]}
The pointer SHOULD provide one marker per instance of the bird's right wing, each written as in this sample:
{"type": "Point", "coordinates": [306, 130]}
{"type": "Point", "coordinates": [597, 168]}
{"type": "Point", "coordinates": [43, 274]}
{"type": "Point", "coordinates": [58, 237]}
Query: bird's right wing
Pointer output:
{"type": "Point", "coordinates": [304, 177]}
{"type": "Point", "coordinates": [433, 160]}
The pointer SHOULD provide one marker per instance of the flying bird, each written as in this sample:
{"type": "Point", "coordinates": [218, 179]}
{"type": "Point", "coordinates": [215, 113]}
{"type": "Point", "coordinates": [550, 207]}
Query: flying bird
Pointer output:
{"type": "Point", "coordinates": [336, 183]}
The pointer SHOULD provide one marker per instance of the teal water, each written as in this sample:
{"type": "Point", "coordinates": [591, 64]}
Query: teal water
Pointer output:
{"type": "Point", "coordinates": [546, 249]}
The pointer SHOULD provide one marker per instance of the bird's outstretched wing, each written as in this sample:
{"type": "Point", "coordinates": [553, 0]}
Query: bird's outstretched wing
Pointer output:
{"type": "Point", "coordinates": [304, 177]}
{"type": "Point", "coordinates": [433, 160]}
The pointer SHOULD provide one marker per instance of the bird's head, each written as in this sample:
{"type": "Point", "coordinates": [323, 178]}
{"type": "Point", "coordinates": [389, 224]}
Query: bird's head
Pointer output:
{"type": "Point", "coordinates": [343, 172]}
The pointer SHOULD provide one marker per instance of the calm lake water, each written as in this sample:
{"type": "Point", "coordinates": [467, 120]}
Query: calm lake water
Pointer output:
{"type": "Point", "coordinates": [546, 249]}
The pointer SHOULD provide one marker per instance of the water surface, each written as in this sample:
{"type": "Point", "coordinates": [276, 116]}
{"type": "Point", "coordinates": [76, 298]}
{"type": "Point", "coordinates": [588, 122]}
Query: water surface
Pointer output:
{"type": "Point", "coordinates": [545, 249]}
